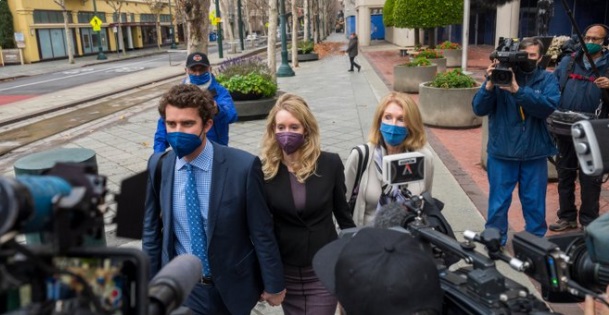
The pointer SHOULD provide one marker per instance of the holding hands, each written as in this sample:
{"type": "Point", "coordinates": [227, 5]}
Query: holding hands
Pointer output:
{"type": "Point", "coordinates": [273, 299]}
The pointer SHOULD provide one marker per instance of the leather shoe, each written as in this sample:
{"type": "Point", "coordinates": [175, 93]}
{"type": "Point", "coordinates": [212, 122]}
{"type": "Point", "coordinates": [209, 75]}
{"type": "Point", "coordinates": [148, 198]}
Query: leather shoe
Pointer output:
{"type": "Point", "coordinates": [350, 70]}
{"type": "Point", "coordinates": [562, 225]}
{"type": "Point", "coordinates": [359, 68]}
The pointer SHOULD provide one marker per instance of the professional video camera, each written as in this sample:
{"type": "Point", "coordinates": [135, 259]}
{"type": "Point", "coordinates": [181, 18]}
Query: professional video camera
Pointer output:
{"type": "Point", "coordinates": [61, 275]}
{"type": "Point", "coordinates": [509, 56]}
{"type": "Point", "coordinates": [565, 267]}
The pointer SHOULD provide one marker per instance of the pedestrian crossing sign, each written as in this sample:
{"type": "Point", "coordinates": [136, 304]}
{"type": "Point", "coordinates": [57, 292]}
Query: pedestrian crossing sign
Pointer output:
{"type": "Point", "coordinates": [96, 23]}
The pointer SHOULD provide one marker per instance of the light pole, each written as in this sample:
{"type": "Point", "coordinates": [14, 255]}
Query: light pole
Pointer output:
{"type": "Point", "coordinates": [240, 24]}
{"type": "Point", "coordinates": [219, 35]}
{"type": "Point", "coordinates": [100, 52]}
{"type": "Point", "coordinates": [171, 29]}
{"type": "Point", "coordinates": [284, 69]}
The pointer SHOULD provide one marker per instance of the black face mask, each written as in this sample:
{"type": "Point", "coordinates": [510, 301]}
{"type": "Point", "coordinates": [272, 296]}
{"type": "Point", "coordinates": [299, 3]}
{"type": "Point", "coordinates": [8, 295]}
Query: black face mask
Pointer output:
{"type": "Point", "coordinates": [529, 66]}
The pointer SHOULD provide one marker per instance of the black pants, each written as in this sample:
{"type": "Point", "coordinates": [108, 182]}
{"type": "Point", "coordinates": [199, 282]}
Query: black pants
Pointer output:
{"type": "Point", "coordinates": [353, 64]}
{"type": "Point", "coordinates": [567, 168]}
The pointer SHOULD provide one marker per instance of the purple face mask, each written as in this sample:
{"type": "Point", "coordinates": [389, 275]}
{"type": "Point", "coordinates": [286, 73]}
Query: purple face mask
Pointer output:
{"type": "Point", "coordinates": [289, 142]}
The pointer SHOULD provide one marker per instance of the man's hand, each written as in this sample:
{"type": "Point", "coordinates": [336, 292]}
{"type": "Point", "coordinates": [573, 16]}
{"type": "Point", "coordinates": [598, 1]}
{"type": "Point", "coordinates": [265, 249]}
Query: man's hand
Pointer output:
{"type": "Point", "coordinates": [589, 305]}
{"type": "Point", "coordinates": [273, 299]}
{"type": "Point", "coordinates": [513, 87]}
{"type": "Point", "coordinates": [602, 82]}
{"type": "Point", "coordinates": [489, 84]}
{"type": "Point", "coordinates": [216, 110]}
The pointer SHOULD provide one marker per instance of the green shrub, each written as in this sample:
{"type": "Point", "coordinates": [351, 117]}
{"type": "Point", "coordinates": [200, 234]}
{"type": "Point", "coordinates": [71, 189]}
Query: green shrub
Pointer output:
{"type": "Point", "coordinates": [448, 45]}
{"type": "Point", "coordinates": [247, 76]}
{"type": "Point", "coordinates": [427, 13]}
{"type": "Point", "coordinates": [453, 79]}
{"type": "Point", "coordinates": [6, 26]}
{"type": "Point", "coordinates": [419, 62]}
{"type": "Point", "coordinates": [305, 47]}
{"type": "Point", "coordinates": [430, 54]}
{"type": "Point", "coordinates": [388, 13]}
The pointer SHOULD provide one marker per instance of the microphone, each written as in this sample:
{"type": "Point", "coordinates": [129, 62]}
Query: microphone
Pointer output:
{"type": "Point", "coordinates": [170, 287]}
{"type": "Point", "coordinates": [391, 215]}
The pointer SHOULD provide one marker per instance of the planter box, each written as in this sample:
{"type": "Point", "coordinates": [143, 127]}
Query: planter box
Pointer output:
{"type": "Point", "coordinates": [441, 63]}
{"type": "Point", "coordinates": [304, 57]}
{"type": "Point", "coordinates": [449, 108]}
{"type": "Point", "coordinates": [255, 109]}
{"type": "Point", "coordinates": [407, 79]}
{"type": "Point", "coordinates": [552, 175]}
{"type": "Point", "coordinates": [453, 57]}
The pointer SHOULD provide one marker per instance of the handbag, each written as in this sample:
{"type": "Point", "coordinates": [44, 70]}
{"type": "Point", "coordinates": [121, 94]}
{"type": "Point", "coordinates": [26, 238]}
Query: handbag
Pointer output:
{"type": "Point", "coordinates": [560, 122]}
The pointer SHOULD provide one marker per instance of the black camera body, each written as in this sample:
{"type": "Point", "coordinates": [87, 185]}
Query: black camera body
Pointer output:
{"type": "Point", "coordinates": [509, 56]}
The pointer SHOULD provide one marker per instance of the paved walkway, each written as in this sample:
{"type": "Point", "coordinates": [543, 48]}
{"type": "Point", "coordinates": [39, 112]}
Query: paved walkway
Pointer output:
{"type": "Point", "coordinates": [343, 102]}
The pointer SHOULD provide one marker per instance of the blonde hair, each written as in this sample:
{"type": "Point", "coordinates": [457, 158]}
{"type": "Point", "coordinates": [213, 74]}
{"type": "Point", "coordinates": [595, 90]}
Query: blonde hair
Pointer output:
{"type": "Point", "coordinates": [412, 119]}
{"type": "Point", "coordinates": [310, 151]}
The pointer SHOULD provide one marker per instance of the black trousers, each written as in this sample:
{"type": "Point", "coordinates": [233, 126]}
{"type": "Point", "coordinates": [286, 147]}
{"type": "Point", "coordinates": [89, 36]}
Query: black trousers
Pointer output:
{"type": "Point", "coordinates": [567, 168]}
{"type": "Point", "coordinates": [353, 64]}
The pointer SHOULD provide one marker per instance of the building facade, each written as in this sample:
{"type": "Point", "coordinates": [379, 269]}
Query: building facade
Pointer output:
{"type": "Point", "coordinates": [42, 24]}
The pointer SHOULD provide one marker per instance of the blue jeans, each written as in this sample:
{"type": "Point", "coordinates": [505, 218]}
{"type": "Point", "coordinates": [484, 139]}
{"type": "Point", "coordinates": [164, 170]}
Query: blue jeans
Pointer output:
{"type": "Point", "coordinates": [531, 177]}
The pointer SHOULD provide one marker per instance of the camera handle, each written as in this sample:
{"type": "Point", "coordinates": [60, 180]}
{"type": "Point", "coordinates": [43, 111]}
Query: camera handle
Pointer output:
{"type": "Point", "coordinates": [491, 239]}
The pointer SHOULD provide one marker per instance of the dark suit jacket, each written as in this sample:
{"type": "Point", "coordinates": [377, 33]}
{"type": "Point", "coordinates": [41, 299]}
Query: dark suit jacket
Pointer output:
{"type": "Point", "coordinates": [242, 249]}
{"type": "Point", "coordinates": [300, 236]}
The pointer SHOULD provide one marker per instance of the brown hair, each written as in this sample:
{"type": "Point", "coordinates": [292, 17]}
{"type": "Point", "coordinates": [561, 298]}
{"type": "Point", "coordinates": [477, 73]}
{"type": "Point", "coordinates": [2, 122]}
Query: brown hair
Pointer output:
{"type": "Point", "coordinates": [188, 96]}
{"type": "Point", "coordinates": [310, 151]}
{"type": "Point", "coordinates": [412, 120]}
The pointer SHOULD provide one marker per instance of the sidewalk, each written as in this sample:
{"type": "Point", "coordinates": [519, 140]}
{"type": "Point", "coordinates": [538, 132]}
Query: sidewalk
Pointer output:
{"type": "Point", "coordinates": [343, 103]}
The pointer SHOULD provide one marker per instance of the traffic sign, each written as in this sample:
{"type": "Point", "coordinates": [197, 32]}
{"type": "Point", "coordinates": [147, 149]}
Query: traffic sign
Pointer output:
{"type": "Point", "coordinates": [96, 23]}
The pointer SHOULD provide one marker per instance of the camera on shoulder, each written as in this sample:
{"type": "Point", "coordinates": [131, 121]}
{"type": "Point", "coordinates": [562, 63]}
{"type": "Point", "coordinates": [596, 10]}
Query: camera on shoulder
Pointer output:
{"type": "Point", "coordinates": [509, 56]}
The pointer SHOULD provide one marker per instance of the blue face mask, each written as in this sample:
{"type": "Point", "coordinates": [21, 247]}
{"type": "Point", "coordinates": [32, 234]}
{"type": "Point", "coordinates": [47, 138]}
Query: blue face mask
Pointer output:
{"type": "Point", "coordinates": [199, 79]}
{"type": "Point", "coordinates": [183, 143]}
{"type": "Point", "coordinates": [393, 135]}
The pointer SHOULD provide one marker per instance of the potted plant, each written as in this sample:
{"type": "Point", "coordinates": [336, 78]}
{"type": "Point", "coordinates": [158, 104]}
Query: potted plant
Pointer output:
{"type": "Point", "coordinates": [408, 76]}
{"type": "Point", "coordinates": [435, 57]}
{"type": "Point", "coordinates": [452, 52]}
{"type": "Point", "coordinates": [446, 101]}
{"type": "Point", "coordinates": [305, 51]}
{"type": "Point", "coordinates": [250, 84]}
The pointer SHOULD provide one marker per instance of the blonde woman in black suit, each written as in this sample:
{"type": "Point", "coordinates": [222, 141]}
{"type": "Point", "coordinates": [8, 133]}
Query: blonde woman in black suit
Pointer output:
{"type": "Point", "coordinates": [304, 187]}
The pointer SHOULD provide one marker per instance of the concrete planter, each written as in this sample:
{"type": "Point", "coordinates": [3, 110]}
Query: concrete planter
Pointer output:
{"type": "Point", "coordinates": [304, 57]}
{"type": "Point", "coordinates": [441, 63]}
{"type": "Point", "coordinates": [407, 79]}
{"type": "Point", "coordinates": [453, 57]}
{"type": "Point", "coordinates": [552, 175]}
{"type": "Point", "coordinates": [255, 109]}
{"type": "Point", "coordinates": [449, 108]}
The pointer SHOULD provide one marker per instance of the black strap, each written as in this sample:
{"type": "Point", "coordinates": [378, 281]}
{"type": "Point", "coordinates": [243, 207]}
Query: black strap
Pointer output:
{"type": "Point", "coordinates": [156, 184]}
{"type": "Point", "coordinates": [604, 94]}
{"type": "Point", "coordinates": [361, 167]}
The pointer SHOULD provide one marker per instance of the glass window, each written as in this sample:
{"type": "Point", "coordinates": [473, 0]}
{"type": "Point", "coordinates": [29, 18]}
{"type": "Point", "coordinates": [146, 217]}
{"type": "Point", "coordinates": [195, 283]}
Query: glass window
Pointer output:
{"type": "Point", "coordinates": [85, 17]}
{"type": "Point", "coordinates": [48, 17]}
{"type": "Point", "coordinates": [147, 18]}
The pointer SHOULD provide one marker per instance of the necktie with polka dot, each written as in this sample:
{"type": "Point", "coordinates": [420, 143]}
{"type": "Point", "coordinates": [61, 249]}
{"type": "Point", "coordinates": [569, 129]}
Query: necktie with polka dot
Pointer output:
{"type": "Point", "coordinates": [197, 223]}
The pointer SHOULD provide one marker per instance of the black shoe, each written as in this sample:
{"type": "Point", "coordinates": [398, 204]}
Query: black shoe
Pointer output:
{"type": "Point", "coordinates": [350, 70]}
{"type": "Point", "coordinates": [563, 225]}
{"type": "Point", "coordinates": [359, 68]}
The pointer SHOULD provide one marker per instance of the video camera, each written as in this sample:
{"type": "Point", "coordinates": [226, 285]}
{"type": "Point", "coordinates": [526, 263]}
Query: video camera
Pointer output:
{"type": "Point", "coordinates": [62, 275]}
{"type": "Point", "coordinates": [509, 56]}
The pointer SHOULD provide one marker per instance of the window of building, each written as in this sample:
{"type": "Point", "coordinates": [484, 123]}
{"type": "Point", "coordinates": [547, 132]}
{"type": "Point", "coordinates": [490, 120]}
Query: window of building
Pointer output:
{"type": "Point", "coordinates": [123, 17]}
{"type": "Point", "coordinates": [166, 18]}
{"type": "Point", "coordinates": [376, 11]}
{"type": "Point", "coordinates": [132, 17]}
{"type": "Point", "coordinates": [147, 18]}
{"type": "Point", "coordinates": [48, 16]}
{"type": "Point", "coordinates": [85, 17]}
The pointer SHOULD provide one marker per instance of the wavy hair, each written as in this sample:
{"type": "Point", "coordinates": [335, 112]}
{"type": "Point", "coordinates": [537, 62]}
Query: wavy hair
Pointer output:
{"type": "Point", "coordinates": [412, 119]}
{"type": "Point", "coordinates": [310, 151]}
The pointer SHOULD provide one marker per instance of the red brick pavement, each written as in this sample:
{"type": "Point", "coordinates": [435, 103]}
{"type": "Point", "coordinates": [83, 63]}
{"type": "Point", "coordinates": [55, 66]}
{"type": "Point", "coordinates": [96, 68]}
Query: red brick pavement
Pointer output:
{"type": "Point", "coordinates": [460, 149]}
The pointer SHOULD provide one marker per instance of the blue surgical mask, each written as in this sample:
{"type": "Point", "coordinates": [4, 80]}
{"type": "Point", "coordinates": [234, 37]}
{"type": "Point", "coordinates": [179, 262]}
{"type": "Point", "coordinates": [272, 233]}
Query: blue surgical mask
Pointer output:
{"type": "Point", "coordinates": [183, 143]}
{"type": "Point", "coordinates": [393, 135]}
{"type": "Point", "coordinates": [199, 79]}
{"type": "Point", "coordinates": [593, 48]}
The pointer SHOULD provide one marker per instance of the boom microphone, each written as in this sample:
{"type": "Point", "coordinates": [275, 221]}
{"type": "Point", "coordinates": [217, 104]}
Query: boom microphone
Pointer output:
{"type": "Point", "coordinates": [391, 215]}
{"type": "Point", "coordinates": [170, 287]}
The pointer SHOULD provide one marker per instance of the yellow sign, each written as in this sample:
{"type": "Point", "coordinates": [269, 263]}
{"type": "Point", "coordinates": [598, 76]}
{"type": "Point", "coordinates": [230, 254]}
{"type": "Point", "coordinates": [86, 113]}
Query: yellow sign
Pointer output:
{"type": "Point", "coordinates": [213, 18]}
{"type": "Point", "coordinates": [96, 23]}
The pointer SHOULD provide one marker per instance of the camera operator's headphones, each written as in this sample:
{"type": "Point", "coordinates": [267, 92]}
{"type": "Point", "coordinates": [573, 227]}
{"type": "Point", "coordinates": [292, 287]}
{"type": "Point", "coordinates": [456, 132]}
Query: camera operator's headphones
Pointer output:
{"type": "Point", "coordinates": [606, 38]}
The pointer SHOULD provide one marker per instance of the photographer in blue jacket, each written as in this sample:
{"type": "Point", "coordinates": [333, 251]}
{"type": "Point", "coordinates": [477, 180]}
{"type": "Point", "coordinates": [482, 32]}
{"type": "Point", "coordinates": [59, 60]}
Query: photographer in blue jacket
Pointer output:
{"type": "Point", "coordinates": [518, 141]}
{"type": "Point", "coordinates": [198, 69]}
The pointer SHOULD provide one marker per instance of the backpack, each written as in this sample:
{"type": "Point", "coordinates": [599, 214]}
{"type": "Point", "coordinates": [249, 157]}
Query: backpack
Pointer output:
{"type": "Point", "coordinates": [361, 167]}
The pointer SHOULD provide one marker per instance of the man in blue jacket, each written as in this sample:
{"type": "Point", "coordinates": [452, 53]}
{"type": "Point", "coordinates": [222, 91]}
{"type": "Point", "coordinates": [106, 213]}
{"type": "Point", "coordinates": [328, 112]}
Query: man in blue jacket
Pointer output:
{"type": "Point", "coordinates": [581, 92]}
{"type": "Point", "coordinates": [198, 69]}
{"type": "Point", "coordinates": [519, 142]}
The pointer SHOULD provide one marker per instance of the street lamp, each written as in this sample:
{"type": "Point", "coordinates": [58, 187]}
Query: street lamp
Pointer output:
{"type": "Point", "coordinates": [284, 69]}
{"type": "Point", "coordinates": [171, 29]}
{"type": "Point", "coordinates": [100, 53]}
{"type": "Point", "coordinates": [240, 24]}
{"type": "Point", "coordinates": [219, 35]}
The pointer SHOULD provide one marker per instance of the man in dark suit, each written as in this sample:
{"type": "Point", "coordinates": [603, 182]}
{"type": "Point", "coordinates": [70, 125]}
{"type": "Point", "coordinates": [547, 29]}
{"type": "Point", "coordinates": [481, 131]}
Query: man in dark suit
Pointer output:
{"type": "Point", "coordinates": [206, 199]}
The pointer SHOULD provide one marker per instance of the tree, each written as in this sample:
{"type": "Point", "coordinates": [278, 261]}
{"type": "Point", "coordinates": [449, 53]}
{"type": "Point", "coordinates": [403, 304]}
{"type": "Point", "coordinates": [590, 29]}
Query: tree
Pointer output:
{"type": "Point", "coordinates": [427, 14]}
{"type": "Point", "coordinates": [272, 37]}
{"type": "Point", "coordinates": [295, 34]}
{"type": "Point", "coordinates": [62, 4]}
{"type": "Point", "coordinates": [307, 20]}
{"type": "Point", "coordinates": [197, 19]}
{"type": "Point", "coordinates": [388, 13]}
{"type": "Point", "coordinates": [6, 26]}
{"type": "Point", "coordinates": [117, 5]}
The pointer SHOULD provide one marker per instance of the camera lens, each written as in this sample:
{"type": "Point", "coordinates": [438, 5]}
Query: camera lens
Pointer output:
{"type": "Point", "coordinates": [501, 77]}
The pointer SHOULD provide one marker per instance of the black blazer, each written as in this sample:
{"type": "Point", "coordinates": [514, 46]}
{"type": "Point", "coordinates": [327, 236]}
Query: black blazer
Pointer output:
{"type": "Point", "coordinates": [300, 236]}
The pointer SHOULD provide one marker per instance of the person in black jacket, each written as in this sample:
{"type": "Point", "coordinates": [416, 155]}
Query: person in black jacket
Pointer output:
{"type": "Point", "coordinates": [304, 187]}
{"type": "Point", "coordinates": [352, 51]}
